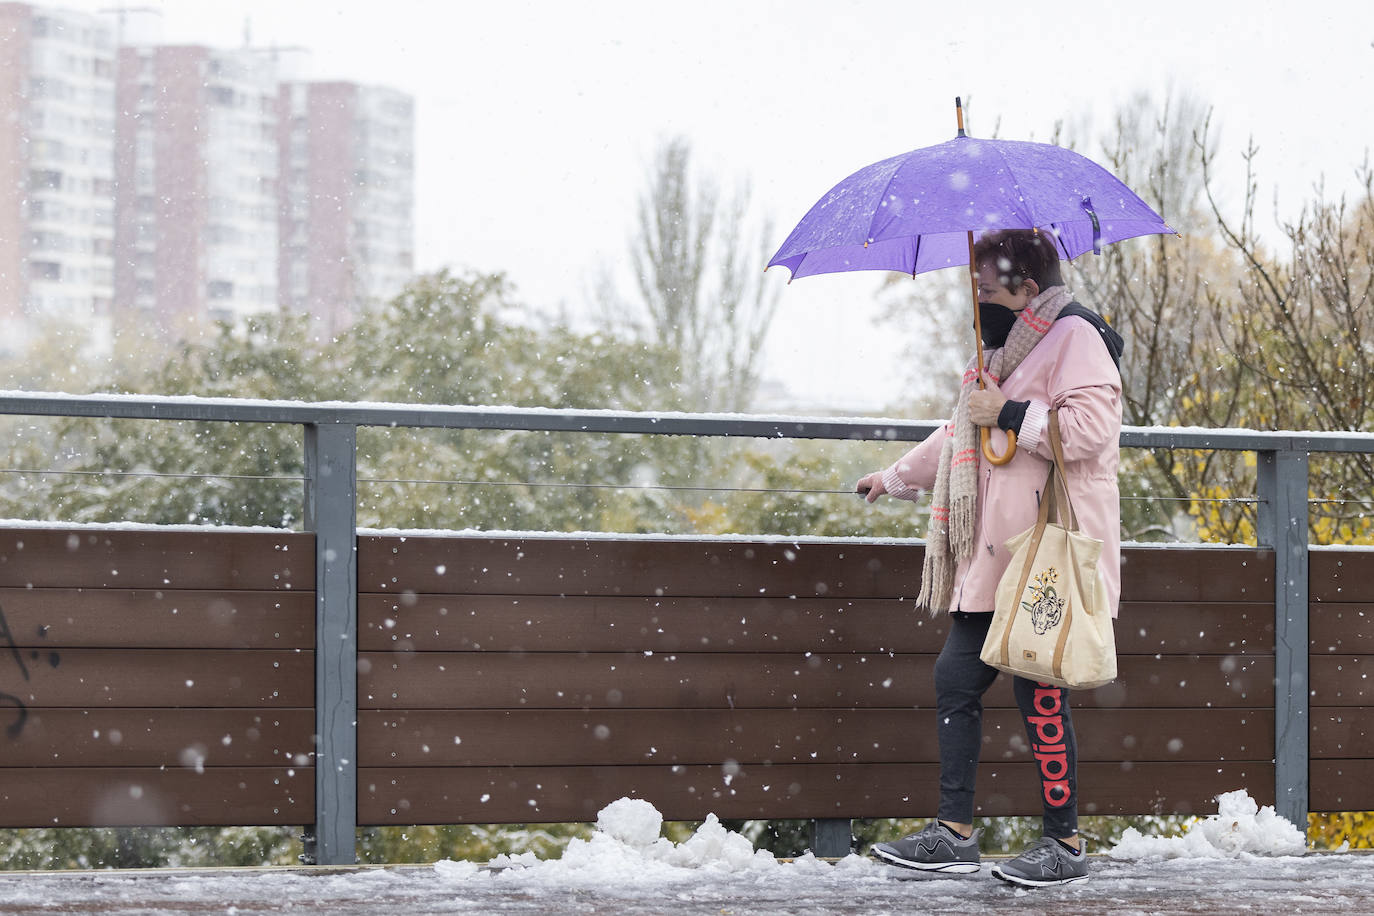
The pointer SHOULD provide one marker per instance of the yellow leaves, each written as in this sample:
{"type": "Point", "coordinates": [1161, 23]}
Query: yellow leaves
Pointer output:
{"type": "Point", "coordinates": [709, 518]}
{"type": "Point", "coordinates": [1214, 515]}
{"type": "Point", "coordinates": [1331, 830]}
{"type": "Point", "coordinates": [1343, 531]}
{"type": "Point", "coordinates": [1219, 518]}
{"type": "Point", "coordinates": [1205, 399]}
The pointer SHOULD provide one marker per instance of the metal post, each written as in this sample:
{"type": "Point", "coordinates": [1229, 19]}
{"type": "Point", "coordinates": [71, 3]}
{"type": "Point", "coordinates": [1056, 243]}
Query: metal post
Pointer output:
{"type": "Point", "coordinates": [331, 480]}
{"type": "Point", "coordinates": [831, 838]}
{"type": "Point", "coordinates": [1283, 525]}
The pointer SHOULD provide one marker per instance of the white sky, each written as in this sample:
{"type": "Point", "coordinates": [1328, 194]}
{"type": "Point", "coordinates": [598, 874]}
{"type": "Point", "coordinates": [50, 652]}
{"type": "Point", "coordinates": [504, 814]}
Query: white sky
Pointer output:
{"type": "Point", "coordinates": [535, 120]}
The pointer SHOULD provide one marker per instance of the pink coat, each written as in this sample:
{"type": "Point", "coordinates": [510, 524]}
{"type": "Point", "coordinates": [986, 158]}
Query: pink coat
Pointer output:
{"type": "Point", "coordinates": [1069, 370]}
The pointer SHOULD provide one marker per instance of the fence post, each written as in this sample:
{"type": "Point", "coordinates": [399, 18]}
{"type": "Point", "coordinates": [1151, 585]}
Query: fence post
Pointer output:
{"type": "Point", "coordinates": [331, 481]}
{"type": "Point", "coordinates": [831, 838]}
{"type": "Point", "coordinates": [1283, 525]}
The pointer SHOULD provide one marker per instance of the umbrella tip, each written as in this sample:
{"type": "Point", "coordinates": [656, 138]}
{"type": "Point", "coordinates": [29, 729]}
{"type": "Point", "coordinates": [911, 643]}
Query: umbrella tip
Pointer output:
{"type": "Point", "coordinates": [959, 113]}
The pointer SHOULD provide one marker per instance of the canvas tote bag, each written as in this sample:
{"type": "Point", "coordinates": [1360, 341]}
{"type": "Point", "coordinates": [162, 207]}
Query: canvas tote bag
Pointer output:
{"type": "Point", "coordinates": [1051, 623]}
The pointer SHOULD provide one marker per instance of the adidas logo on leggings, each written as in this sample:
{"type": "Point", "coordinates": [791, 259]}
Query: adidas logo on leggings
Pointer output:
{"type": "Point", "coordinates": [1049, 749]}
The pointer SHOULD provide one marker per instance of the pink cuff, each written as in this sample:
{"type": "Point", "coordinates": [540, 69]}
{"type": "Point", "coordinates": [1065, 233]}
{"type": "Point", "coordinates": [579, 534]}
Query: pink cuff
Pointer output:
{"type": "Point", "coordinates": [1034, 424]}
{"type": "Point", "coordinates": [897, 488]}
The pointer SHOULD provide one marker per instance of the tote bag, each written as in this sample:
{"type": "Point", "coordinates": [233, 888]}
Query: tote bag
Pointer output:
{"type": "Point", "coordinates": [1051, 622]}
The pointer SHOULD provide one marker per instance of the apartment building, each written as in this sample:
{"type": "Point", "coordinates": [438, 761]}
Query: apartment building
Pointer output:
{"type": "Point", "coordinates": [57, 147]}
{"type": "Point", "coordinates": [150, 189]}
{"type": "Point", "coordinates": [196, 179]}
{"type": "Point", "coordinates": [347, 198]}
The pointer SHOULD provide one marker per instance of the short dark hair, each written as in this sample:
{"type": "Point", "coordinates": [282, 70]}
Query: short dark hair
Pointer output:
{"type": "Point", "coordinates": [1020, 255]}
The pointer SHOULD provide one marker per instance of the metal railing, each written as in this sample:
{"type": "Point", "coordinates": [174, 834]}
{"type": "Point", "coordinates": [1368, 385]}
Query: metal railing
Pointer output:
{"type": "Point", "coordinates": [330, 503]}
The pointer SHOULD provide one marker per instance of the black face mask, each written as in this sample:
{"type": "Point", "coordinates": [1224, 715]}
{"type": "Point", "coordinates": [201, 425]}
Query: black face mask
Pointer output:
{"type": "Point", "coordinates": [997, 323]}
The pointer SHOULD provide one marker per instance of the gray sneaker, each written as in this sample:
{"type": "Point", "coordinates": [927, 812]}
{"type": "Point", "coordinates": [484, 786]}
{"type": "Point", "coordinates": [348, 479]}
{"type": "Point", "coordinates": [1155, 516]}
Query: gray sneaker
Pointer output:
{"type": "Point", "coordinates": [936, 848]}
{"type": "Point", "coordinates": [1043, 865]}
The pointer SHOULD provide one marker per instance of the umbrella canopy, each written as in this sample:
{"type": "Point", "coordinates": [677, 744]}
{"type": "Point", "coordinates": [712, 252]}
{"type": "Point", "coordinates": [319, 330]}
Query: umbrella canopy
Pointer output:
{"type": "Point", "coordinates": [913, 212]}
{"type": "Point", "coordinates": [922, 211]}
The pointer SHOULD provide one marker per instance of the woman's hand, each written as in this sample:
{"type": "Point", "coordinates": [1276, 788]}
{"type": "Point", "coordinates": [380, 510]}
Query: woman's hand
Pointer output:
{"type": "Point", "coordinates": [870, 486]}
{"type": "Point", "coordinates": [986, 404]}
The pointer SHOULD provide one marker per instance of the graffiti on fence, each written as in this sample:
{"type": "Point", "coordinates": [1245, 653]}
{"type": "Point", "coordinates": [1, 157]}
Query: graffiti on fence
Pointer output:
{"type": "Point", "coordinates": [21, 714]}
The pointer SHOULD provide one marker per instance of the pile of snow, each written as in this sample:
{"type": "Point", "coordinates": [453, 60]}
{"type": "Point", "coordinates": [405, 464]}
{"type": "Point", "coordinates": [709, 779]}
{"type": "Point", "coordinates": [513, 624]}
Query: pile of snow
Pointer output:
{"type": "Point", "coordinates": [1239, 828]}
{"type": "Point", "coordinates": [627, 849]}
{"type": "Point", "coordinates": [632, 821]}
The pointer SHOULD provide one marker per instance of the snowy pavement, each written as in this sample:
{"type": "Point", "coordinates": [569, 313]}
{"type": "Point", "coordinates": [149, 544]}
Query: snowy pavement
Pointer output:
{"type": "Point", "coordinates": [1243, 859]}
{"type": "Point", "coordinates": [1315, 883]}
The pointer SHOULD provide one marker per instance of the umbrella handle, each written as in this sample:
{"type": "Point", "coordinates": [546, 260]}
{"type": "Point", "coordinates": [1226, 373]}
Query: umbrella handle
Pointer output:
{"type": "Point", "coordinates": [993, 458]}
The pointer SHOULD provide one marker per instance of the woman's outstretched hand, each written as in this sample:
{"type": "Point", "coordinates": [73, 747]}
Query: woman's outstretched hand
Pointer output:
{"type": "Point", "coordinates": [870, 486]}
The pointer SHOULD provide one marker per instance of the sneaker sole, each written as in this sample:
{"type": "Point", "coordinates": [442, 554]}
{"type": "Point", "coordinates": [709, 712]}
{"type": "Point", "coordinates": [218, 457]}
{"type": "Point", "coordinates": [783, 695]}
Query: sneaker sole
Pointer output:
{"type": "Point", "coordinates": [1031, 882]}
{"type": "Point", "coordinates": [953, 868]}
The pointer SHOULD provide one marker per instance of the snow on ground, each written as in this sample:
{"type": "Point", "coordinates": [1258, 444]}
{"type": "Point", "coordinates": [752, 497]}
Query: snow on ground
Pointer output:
{"type": "Point", "coordinates": [1313, 884]}
{"type": "Point", "coordinates": [1235, 861]}
{"type": "Point", "coordinates": [1239, 828]}
{"type": "Point", "coordinates": [627, 851]}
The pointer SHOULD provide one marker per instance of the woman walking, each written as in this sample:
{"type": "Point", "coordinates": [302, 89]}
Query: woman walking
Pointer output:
{"type": "Point", "coordinates": [1045, 352]}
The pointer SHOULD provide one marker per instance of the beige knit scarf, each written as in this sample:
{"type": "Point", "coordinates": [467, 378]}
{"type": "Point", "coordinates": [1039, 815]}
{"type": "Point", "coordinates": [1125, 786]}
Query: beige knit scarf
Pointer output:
{"type": "Point", "coordinates": [954, 505]}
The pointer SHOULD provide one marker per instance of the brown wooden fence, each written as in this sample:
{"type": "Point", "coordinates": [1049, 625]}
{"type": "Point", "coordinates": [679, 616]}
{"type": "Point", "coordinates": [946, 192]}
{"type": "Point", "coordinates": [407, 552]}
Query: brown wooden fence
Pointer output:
{"type": "Point", "coordinates": [1341, 655]}
{"type": "Point", "coordinates": [538, 679]}
{"type": "Point", "coordinates": [156, 677]}
{"type": "Point", "coordinates": [166, 677]}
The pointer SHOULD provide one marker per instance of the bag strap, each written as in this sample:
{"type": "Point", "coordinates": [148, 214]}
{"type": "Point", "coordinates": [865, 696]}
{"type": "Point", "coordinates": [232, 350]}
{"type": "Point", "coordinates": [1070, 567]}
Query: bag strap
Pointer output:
{"type": "Point", "coordinates": [1070, 589]}
{"type": "Point", "coordinates": [1031, 549]}
{"type": "Point", "coordinates": [1071, 524]}
{"type": "Point", "coordinates": [1042, 521]}
{"type": "Point", "coordinates": [1057, 483]}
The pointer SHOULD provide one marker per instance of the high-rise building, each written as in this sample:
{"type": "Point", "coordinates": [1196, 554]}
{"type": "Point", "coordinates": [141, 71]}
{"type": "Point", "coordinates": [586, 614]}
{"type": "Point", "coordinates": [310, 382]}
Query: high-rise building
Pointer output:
{"type": "Point", "coordinates": [57, 140]}
{"type": "Point", "coordinates": [196, 197]}
{"type": "Point", "coordinates": [149, 189]}
{"type": "Point", "coordinates": [347, 198]}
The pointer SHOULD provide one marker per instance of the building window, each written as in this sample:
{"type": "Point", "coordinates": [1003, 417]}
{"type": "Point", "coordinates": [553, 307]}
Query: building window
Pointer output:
{"type": "Point", "coordinates": [45, 270]}
{"type": "Point", "coordinates": [45, 178]}
{"type": "Point", "coordinates": [220, 289]}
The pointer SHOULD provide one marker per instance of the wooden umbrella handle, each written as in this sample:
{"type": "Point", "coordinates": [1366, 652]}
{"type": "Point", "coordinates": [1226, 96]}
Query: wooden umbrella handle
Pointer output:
{"type": "Point", "coordinates": [992, 457]}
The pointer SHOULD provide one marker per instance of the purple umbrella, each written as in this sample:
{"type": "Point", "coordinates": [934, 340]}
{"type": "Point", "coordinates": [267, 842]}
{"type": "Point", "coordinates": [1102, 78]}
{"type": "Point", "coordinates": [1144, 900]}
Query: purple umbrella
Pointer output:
{"type": "Point", "coordinates": [922, 211]}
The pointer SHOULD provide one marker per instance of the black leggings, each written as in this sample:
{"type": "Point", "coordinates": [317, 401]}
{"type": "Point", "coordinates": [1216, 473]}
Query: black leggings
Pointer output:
{"type": "Point", "coordinates": [961, 679]}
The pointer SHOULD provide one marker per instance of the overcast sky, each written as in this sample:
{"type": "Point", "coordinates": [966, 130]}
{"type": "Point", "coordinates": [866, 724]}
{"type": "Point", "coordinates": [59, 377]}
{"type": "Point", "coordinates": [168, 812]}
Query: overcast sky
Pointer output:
{"type": "Point", "coordinates": [536, 119]}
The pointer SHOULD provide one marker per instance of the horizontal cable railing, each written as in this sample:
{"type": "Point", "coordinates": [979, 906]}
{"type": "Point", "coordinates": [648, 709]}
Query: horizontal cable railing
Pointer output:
{"type": "Point", "coordinates": [625, 487]}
